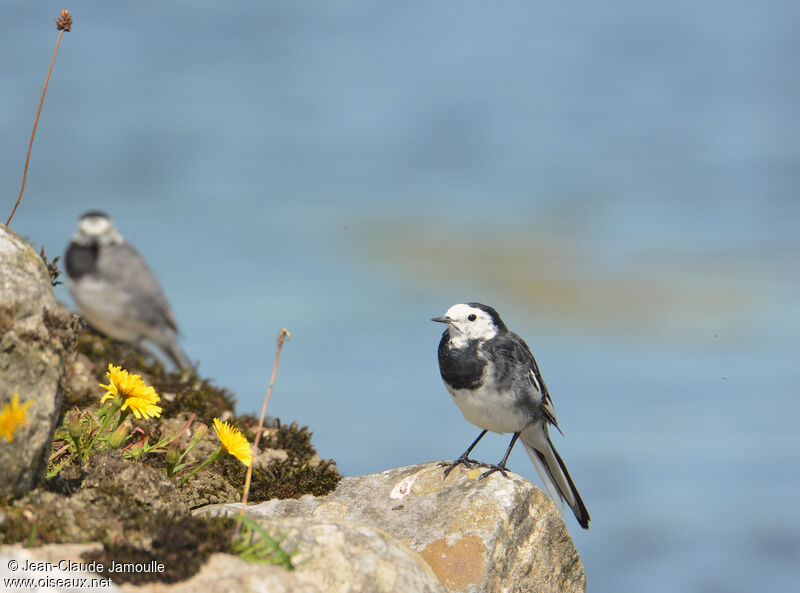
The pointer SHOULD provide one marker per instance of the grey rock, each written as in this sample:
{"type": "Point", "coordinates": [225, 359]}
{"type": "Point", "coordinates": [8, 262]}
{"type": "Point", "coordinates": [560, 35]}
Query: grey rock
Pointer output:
{"type": "Point", "coordinates": [30, 362]}
{"type": "Point", "coordinates": [347, 557]}
{"type": "Point", "coordinates": [223, 573]}
{"type": "Point", "coordinates": [496, 534]}
{"type": "Point", "coordinates": [329, 556]}
{"type": "Point", "coordinates": [110, 475]}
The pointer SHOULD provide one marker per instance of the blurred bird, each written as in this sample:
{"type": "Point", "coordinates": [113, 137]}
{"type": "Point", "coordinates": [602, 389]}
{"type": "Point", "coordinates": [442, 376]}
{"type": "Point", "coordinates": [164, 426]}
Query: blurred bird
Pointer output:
{"type": "Point", "coordinates": [493, 378]}
{"type": "Point", "coordinates": [115, 289]}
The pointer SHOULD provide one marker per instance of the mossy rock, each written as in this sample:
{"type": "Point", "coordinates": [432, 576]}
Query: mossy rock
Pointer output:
{"type": "Point", "coordinates": [131, 506]}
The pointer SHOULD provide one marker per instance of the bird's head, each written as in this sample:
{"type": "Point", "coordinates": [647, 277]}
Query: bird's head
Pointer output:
{"type": "Point", "coordinates": [96, 227]}
{"type": "Point", "coordinates": [471, 321]}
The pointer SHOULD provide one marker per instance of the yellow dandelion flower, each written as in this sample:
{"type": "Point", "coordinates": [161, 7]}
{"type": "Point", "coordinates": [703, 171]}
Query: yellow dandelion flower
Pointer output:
{"type": "Point", "coordinates": [13, 416]}
{"type": "Point", "coordinates": [140, 398]}
{"type": "Point", "coordinates": [234, 442]}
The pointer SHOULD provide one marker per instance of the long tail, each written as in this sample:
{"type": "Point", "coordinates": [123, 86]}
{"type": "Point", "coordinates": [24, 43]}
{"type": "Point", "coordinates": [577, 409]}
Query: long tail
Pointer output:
{"type": "Point", "coordinates": [552, 470]}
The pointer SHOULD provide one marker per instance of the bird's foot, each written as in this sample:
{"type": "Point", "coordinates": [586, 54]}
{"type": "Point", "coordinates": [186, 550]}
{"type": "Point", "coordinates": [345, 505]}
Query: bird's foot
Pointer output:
{"type": "Point", "coordinates": [463, 460]}
{"type": "Point", "coordinates": [494, 468]}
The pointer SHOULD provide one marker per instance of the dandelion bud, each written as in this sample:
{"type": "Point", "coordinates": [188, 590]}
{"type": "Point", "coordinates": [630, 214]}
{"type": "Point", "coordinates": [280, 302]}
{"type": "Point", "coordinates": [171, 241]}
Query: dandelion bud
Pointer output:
{"type": "Point", "coordinates": [74, 425]}
{"type": "Point", "coordinates": [199, 432]}
{"type": "Point", "coordinates": [173, 456]}
{"type": "Point", "coordinates": [119, 436]}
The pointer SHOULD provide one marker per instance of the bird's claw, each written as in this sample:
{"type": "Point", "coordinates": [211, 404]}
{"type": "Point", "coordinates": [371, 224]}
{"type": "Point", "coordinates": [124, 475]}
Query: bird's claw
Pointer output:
{"type": "Point", "coordinates": [463, 460]}
{"type": "Point", "coordinates": [494, 468]}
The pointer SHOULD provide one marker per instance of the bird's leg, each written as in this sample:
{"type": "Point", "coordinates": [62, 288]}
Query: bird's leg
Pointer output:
{"type": "Point", "coordinates": [464, 459]}
{"type": "Point", "coordinates": [501, 467]}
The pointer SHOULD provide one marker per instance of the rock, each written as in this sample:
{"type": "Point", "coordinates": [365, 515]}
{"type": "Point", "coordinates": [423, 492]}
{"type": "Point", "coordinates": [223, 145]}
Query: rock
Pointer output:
{"type": "Point", "coordinates": [329, 556]}
{"type": "Point", "coordinates": [496, 534]}
{"type": "Point", "coordinates": [223, 573]}
{"type": "Point", "coordinates": [112, 500]}
{"type": "Point", "coordinates": [30, 362]}
{"type": "Point", "coordinates": [347, 557]}
{"type": "Point", "coordinates": [110, 475]}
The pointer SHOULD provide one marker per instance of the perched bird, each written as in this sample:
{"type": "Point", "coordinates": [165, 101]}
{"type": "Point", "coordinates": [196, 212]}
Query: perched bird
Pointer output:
{"type": "Point", "coordinates": [115, 289]}
{"type": "Point", "coordinates": [493, 378]}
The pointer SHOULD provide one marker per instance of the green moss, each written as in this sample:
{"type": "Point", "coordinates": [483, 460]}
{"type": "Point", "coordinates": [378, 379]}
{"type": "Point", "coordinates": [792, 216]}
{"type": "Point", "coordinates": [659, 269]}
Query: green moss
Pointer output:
{"type": "Point", "coordinates": [282, 479]}
{"type": "Point", "coordinates": [295, 440]}
{"type": "Point", "coordinates": [290, 478]}
{"type": "Point", "coordinates": [181, 545]}
{"type": "Point", "coordinates": [292, 438]}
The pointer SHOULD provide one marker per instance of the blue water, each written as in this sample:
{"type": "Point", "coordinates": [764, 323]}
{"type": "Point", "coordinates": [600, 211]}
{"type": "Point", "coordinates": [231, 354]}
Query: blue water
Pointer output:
{"type": "Point", "coordinates": [619, 179]}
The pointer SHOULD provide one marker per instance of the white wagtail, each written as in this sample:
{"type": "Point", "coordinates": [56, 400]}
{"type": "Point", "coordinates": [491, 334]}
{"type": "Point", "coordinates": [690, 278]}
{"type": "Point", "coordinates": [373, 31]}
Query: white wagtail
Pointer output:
{"type": "Point", "coordinates": [115, 289]}
{"type": "Point", "coordinates": [493, 378]}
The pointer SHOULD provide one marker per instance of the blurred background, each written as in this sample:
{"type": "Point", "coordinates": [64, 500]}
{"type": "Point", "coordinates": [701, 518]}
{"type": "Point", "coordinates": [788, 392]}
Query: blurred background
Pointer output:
{"type": "Point", "coordinates": [619, 179]}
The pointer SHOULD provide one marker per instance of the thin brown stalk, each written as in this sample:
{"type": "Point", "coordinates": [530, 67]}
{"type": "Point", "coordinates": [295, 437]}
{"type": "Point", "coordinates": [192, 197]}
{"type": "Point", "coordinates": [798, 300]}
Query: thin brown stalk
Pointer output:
{"type": "Point", "coordinates": [64, 23]}
{"type": "Point", "coordinates": [283, 335]}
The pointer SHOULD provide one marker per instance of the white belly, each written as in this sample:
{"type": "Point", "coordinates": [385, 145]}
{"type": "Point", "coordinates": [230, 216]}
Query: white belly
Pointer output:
{"type": "Point", "coordinates": [492, 410]}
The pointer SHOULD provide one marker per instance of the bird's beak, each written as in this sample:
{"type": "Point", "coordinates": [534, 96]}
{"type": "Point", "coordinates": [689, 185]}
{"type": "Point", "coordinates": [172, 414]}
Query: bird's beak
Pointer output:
{"type": "Point", "coordinates": [442, 319]}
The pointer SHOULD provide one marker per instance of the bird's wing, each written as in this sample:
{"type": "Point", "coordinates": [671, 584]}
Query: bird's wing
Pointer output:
{"type": "Point", "coordinates": [125, 268]}
{"type": "Point", "coordinates": [519, 354]}
{"type": "Point", "coordinates": [548, 409]}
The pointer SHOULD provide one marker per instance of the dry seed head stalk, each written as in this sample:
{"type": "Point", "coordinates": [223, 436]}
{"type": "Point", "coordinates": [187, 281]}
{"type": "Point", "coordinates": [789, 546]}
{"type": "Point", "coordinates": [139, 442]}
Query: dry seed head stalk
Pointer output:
{"type": "Point", "coordinates": [283, 335]}
{"type": "Point", "coordinates": [64, 21]}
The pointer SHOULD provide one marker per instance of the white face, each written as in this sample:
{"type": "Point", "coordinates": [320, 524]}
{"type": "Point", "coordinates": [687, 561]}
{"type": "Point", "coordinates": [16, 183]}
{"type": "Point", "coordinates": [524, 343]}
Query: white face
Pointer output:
{"type": "Point", "coordinates": [97, 229]}
{"type": "Point", "coordinates": [95, 226]}
{"type": "Point", "coordinates": [469, 323]}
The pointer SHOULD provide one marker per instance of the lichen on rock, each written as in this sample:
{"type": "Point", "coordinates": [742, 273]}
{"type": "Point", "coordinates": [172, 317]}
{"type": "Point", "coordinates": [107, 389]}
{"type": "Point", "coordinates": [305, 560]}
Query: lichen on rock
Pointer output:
{"type": "Point", "coordinates": [31, 350]}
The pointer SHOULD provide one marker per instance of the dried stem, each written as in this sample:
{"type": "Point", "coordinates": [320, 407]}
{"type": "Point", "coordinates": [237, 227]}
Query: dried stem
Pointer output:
{"type": "Point", "coordinates": [63, 23]}
{"type": "Point", "coordinates": [283, 335]}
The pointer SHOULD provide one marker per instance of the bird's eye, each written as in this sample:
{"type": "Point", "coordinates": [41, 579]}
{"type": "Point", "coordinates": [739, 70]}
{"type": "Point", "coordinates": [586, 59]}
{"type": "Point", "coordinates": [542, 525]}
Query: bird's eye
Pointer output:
{"type": "Point", "coordinates": [472, 317]}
